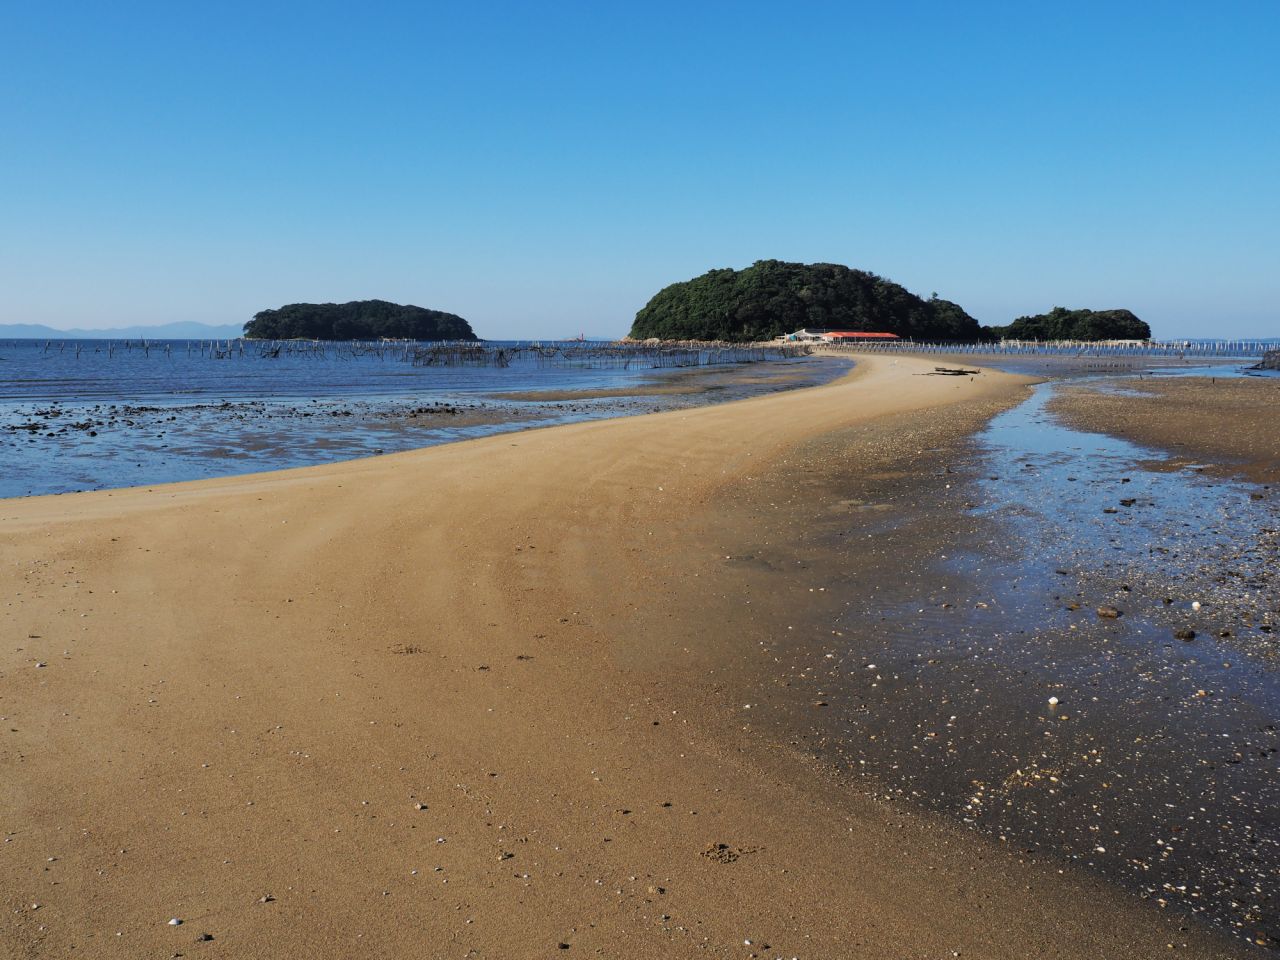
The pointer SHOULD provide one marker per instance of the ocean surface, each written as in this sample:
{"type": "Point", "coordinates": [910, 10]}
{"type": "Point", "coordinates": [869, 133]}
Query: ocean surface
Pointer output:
{"type": "Point", "coordinates": [95, 414]}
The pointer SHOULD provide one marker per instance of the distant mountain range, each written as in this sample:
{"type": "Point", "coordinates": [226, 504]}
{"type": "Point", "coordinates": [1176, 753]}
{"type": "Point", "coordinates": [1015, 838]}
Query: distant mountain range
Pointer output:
{"type": "Point", "coordinates": [182, 330]}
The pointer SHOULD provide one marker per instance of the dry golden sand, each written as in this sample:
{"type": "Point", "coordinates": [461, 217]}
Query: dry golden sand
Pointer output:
{"type": "Point", "coordinates": [458, 702]}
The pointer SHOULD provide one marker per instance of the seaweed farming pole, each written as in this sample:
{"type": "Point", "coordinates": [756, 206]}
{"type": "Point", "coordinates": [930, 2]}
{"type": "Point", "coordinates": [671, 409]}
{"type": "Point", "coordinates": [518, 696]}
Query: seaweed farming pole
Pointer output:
{"type": "Point", "coordinates": [1172, 349]}
{"type": "Point", "coordinates": [459, 354]}
{"type": "Point", "coordinates": [598, 355]}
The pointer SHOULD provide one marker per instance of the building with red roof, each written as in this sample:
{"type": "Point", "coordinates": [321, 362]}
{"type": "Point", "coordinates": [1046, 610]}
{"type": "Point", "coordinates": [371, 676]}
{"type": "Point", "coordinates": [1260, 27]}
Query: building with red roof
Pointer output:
{"type": "Point", "coordinates": [836, 336]}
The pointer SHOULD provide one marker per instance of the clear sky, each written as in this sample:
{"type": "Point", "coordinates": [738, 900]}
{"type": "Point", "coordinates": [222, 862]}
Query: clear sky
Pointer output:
{"type": "Point", "coordinates": [542, 169]}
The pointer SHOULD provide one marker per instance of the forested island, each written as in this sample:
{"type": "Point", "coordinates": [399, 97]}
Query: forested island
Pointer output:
{"type": "Point", "coordinates": [357, 320]}
{"type": "Point", "coordinates": [761, 302]}
{"type": "Point", "coordinates": [1063, 324]}
{"type": "Point", "coordinates": [773, 297]}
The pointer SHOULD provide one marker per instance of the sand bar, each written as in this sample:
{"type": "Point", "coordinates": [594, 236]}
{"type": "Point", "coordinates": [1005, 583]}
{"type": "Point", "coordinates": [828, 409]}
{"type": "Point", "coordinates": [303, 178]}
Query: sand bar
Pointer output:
{"type": "Point", "coordinates": [475, 700]}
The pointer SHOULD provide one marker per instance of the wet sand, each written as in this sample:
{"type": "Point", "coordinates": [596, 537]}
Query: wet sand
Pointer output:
{"type": "Point", "coordinates": [688, 383]}
{"type": "Point", "coordinates": [966, 668]}
{"type": "Point", "coordinates": [497, 698]}
{"type": "Point", "coordinates": [683, 390]}
{"type": "Point", "coordinates": [1228, 421]}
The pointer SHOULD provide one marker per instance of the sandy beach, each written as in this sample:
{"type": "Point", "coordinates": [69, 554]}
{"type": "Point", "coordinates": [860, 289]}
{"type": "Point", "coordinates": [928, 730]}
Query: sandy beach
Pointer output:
{"type": "Point", "coordinates": [494, 699]}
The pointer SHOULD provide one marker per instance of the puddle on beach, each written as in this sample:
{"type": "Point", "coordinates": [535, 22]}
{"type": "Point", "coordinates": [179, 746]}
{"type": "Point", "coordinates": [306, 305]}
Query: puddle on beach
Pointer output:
{"type": "Point", "coordinates": [1002, 694]}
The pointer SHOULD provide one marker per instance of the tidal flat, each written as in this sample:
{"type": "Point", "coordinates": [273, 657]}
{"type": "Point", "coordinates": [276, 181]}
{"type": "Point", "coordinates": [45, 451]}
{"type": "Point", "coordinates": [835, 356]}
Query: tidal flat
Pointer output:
{"type": "Point", "coordinates": [99, 420]}
{"type": "Point", "coordinates": [1064, 640]}
{"type": "Point", "coordinates": [821, 673]}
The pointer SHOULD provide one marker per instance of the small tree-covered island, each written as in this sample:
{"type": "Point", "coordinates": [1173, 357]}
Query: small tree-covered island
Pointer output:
{"type": "Point", "coordinates": [773, 297]}
{"type": "Point", "coordinates": [357, 320]}
{"type": "Point", "coordinates": [1063, 324]}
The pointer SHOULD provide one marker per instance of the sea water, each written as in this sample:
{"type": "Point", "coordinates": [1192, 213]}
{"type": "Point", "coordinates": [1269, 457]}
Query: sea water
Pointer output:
{"type": "Point", "coordinates": [94, 414]}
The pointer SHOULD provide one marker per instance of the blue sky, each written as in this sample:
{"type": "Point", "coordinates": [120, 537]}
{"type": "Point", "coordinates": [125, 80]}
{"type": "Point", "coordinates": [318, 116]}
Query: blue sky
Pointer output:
{"type": "Point", "coordinates": [544, 169]}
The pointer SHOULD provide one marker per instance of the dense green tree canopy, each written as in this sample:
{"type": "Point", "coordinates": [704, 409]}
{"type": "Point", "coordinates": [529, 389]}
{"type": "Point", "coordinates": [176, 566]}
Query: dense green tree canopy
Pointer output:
{"type": "Point", "coordinates": [358, 320]}
{"type": "Point", "coordinates": [1063, 324]}
{"type": "Point", "coordinates": [772, 297]}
